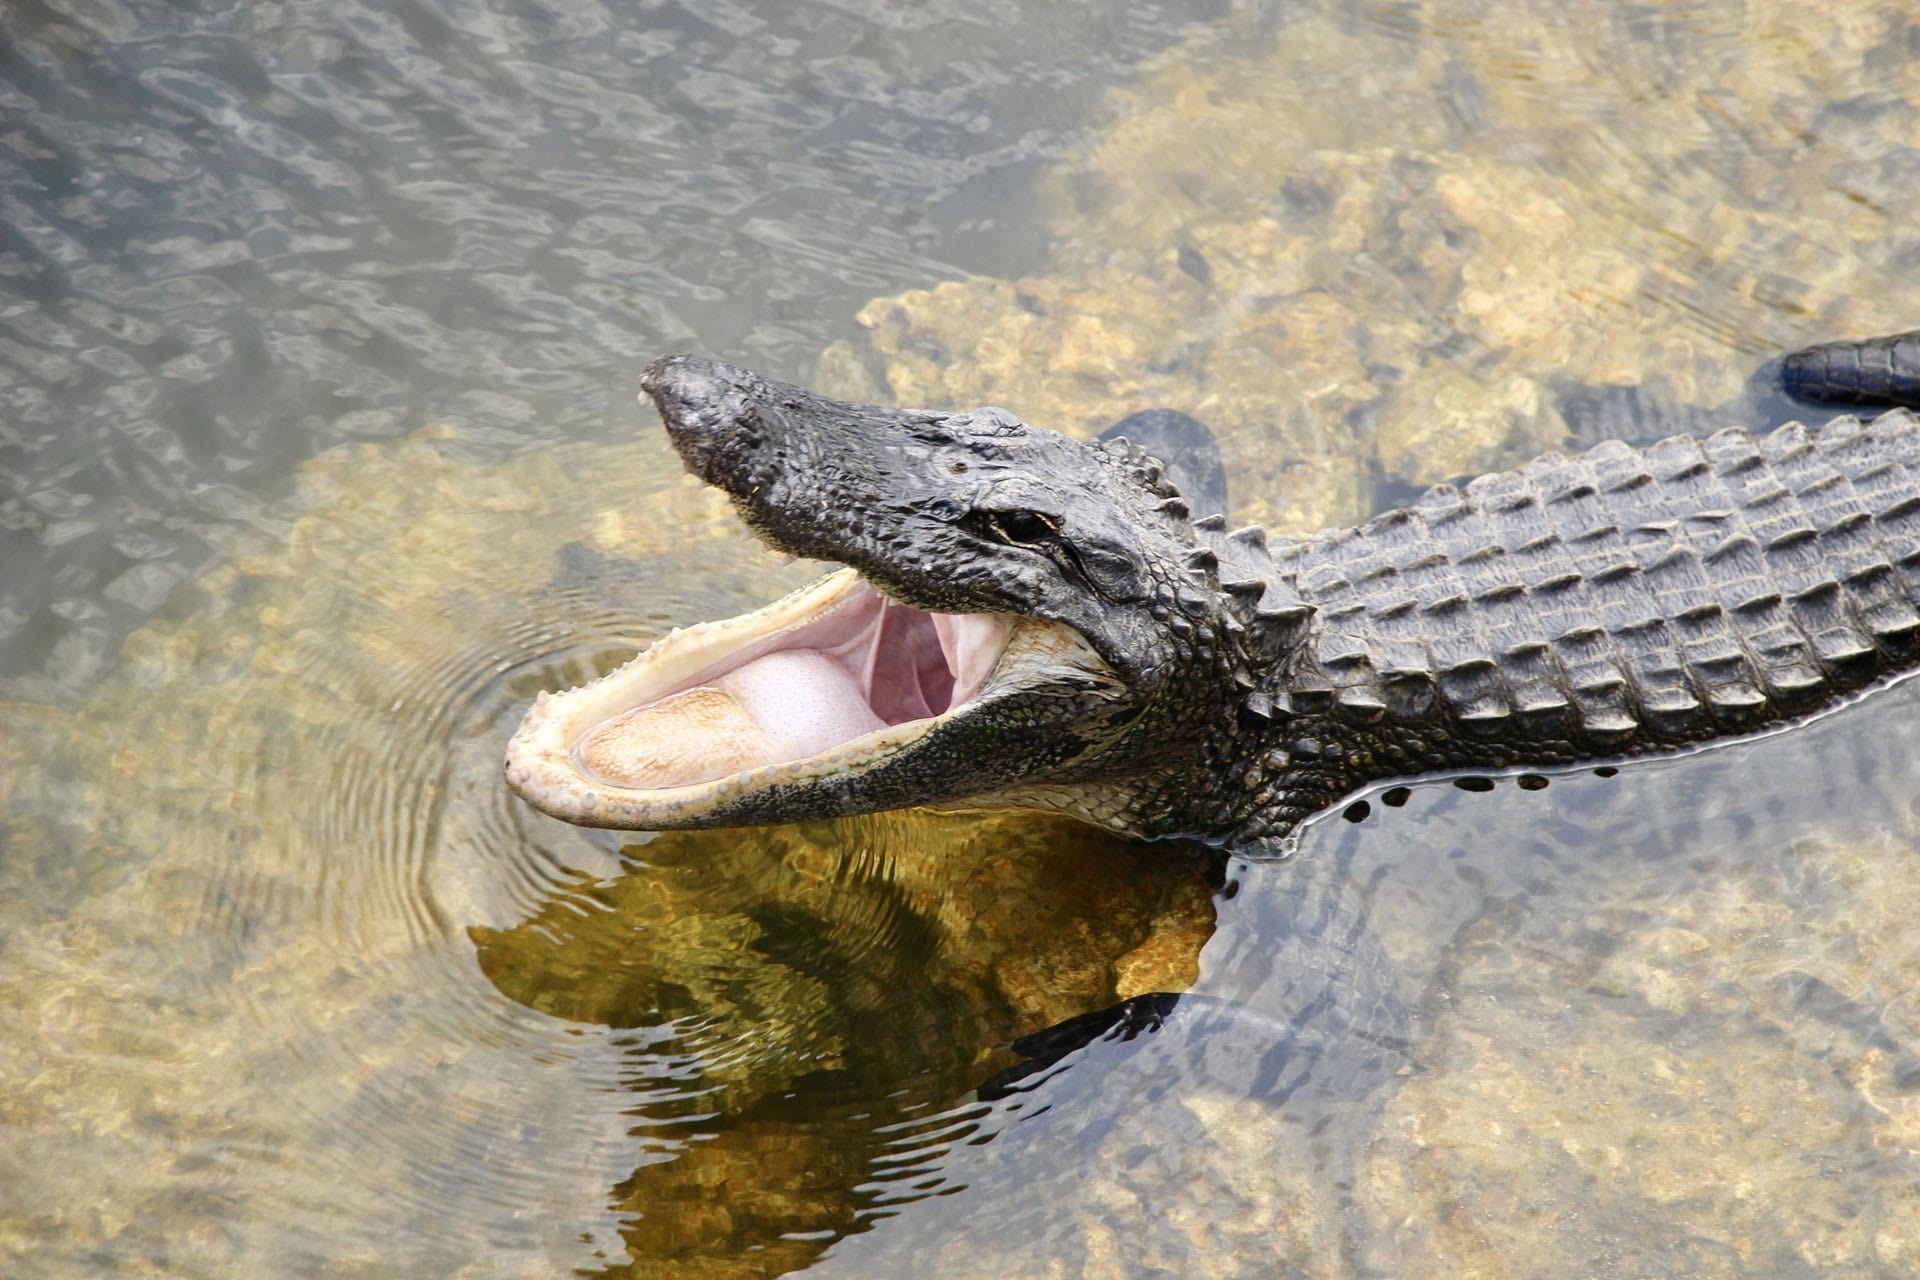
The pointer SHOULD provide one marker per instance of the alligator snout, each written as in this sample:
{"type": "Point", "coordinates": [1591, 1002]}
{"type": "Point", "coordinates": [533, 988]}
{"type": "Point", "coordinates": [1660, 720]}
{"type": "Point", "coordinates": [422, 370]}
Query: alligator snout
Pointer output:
{"type": "Point", "coordinates": [708, 408]}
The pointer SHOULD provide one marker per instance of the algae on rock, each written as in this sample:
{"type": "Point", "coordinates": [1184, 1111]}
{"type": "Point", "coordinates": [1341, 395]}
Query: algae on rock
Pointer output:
{"type": "Point", "coordinates": [1362, 257]}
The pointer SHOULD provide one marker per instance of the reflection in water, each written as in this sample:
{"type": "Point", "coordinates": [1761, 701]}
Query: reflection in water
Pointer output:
{"type": "Point", "coordinates": [289, 986]}
{"type": "Point", "coordinates": [814, 990]}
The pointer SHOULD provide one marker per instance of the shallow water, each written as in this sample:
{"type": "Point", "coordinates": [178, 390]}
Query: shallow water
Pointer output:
{"type": "Point", "coordinates": [318, 327]}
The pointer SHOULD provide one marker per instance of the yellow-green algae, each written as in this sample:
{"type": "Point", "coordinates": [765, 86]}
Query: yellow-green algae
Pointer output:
{"type": "Point", "coordinates": [202, 1020]}
{"type": "Point", "coordinates": [1727, 1093]}
{"type": "Point", "coordinates": [1371, 242]}
{"type": "Point", "coordinates": [1002, 924]}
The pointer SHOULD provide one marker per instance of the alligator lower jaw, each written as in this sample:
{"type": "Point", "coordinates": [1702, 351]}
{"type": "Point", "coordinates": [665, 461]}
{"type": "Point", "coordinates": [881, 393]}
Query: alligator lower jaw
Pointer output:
{"type": "Point", "coordinates": [833, 680]}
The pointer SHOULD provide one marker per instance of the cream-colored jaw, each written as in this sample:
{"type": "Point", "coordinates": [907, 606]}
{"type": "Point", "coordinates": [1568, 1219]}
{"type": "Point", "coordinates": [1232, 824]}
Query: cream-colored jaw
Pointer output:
{"type": "Point", "coordinates": [783, 706]}
{"type": "Point", "coordinates": [682, 738]}
{"type": "Point", "coordinates": [832, 679]}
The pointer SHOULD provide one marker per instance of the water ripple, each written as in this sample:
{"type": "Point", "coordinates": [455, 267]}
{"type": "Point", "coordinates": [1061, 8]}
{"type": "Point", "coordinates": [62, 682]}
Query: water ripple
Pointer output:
{"type": "Point", "coordinates": [235, 235]}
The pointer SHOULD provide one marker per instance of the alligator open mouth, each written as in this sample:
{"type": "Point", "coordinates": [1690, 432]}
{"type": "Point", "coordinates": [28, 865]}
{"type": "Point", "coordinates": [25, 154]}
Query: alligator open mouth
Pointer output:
{"type": "Point", "coordinates": [829, 681]}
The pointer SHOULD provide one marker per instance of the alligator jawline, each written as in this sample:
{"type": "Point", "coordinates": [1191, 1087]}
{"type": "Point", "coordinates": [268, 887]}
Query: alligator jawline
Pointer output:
{"type": "Point", "coordinates": [833, 679]}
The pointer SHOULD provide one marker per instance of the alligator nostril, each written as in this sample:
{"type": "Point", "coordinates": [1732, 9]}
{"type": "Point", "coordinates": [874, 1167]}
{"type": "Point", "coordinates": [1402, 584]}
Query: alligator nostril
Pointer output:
{"type": "Point", "coordinates": [694, 396]}
{"type": "Point", "coordinates": [660, 376]}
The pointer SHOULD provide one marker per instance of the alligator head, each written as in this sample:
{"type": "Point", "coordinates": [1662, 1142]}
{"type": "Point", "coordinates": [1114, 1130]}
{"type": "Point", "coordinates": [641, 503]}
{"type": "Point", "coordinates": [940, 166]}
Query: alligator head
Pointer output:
{"type": "Point", "coordinates": [1023, 620]}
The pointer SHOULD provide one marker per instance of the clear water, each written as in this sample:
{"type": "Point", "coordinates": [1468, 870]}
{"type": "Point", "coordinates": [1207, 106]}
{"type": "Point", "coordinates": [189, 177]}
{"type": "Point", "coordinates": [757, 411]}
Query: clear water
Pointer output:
{"type": "Point", "coordinates": [318, 334]}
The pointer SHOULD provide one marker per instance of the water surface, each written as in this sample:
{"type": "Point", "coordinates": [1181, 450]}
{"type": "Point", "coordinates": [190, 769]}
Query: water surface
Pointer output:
{"type": "Point", "coordinates": [318, 332]}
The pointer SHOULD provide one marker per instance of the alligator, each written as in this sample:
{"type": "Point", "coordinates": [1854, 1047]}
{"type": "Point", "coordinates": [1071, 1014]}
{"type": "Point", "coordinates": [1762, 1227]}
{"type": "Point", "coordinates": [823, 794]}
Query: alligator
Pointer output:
{"type": "Point", "coordinates": [1027, 620]}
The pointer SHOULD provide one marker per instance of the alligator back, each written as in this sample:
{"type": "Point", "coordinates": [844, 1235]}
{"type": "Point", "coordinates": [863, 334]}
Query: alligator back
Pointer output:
{"type": "Point", "coordinates": [1623, 601]}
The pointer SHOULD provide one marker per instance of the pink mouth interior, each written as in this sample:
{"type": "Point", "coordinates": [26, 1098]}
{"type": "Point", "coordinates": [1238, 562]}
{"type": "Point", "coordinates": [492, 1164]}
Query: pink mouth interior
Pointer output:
{"type": "Point", "coordinates": [868, 663]}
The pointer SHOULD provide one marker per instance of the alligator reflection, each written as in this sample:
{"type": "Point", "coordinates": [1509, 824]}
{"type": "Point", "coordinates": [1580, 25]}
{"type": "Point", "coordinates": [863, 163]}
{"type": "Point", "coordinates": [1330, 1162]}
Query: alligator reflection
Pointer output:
{"type": "Point", "coordinates": [810, 989]}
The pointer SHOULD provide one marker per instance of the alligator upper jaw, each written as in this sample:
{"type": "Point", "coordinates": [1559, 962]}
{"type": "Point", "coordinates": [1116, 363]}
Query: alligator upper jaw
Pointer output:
{"type": "Point", "coordinates": [830, 682]}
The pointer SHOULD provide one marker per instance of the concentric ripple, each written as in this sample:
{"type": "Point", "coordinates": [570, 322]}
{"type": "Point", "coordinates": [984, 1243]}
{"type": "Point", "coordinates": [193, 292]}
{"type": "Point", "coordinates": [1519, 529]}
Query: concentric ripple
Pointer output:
{"type": "Point", "coordinates": [308, 756]}
{"type": "Point", "coordinates": [316, 741]}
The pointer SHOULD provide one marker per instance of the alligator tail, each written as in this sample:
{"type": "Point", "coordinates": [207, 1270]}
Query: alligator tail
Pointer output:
{"type": "Point", "coordinates": [1874, 371]}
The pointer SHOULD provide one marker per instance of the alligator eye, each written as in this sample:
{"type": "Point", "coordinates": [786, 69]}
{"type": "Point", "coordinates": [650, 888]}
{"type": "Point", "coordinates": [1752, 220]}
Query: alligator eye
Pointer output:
{"type": "Point", "coordinates": [1023, 526]}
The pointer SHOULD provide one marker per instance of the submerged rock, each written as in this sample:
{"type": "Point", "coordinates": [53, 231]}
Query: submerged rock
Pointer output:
{"type": "Point", "coordinates": [1380, 291]}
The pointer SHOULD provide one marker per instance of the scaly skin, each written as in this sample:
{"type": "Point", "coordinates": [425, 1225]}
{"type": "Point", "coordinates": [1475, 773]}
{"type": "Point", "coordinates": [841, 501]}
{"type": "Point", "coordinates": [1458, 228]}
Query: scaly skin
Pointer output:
{"type": "Point", "coordinates": [1874, 371]}
{"type": "Point", "coordinates": [1613, 604]}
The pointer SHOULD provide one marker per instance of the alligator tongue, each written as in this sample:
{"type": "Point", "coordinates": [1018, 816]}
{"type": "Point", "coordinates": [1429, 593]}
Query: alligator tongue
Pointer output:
{"type": "Point", "coordinates": [785, 706]}
{"type": "Point", "coordinates": [898, 664]}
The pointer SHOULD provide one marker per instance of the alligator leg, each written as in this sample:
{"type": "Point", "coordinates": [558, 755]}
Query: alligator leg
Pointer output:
{"type": "Point", "coordinates": [1873, 371]}
{"type": "Point", "coordinates": [1188, 449]}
